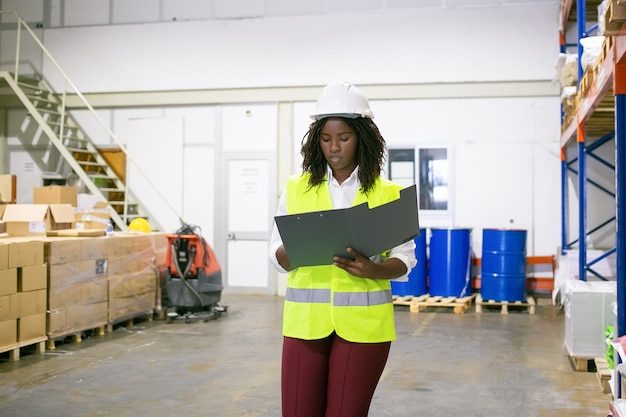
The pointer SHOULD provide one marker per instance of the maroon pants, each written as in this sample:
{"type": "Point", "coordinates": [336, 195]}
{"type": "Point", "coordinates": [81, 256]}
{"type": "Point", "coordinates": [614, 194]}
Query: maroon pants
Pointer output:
{"type": "Point", "coordinates": [330, 377]}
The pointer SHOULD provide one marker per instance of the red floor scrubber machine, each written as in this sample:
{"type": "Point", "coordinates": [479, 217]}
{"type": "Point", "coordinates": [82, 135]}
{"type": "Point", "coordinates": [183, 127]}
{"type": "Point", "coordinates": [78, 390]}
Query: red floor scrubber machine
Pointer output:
{"type": "Point", "coordinates": [193, 286]}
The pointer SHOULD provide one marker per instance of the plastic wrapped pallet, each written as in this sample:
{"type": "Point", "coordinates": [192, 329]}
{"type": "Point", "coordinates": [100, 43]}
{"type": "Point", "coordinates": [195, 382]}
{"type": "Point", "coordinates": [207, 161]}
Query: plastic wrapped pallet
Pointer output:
{"type": "Point", "coordinates": [77, 290]}
{"type": "Point", "coordinates": [133, 282]}
{"type": "Point", "coordinates": [588, 311]}
{"type": "Point", "coordinates": [22, 292]}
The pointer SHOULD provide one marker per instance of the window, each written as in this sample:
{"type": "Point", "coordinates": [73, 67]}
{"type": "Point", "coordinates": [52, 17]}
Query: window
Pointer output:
{"type": "Point", "coordinates": [402, 166]}
{"type": "Point", "coordinates": [433, 179]}
{"type": "Point", "coordinates": [431, 170]}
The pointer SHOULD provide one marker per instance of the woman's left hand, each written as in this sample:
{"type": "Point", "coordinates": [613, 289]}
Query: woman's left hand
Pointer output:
{"type": "Point", "coordinates": [360, 266]}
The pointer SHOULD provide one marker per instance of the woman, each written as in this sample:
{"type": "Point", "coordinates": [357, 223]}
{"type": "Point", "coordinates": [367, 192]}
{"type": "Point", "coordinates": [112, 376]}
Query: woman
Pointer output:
{"type": "Point", "coordinates": [338, 319]}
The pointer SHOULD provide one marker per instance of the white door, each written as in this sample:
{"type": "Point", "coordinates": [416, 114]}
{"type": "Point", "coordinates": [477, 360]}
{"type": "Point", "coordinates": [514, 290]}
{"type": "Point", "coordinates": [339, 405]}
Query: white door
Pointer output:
{"type": "Point", "coordinates": [246, 225]}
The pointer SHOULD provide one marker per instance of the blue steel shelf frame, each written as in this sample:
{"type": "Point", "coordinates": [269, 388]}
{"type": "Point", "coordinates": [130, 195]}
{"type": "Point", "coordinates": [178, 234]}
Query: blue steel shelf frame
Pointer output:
{"type": "Point", "coordinates": [616, 66]}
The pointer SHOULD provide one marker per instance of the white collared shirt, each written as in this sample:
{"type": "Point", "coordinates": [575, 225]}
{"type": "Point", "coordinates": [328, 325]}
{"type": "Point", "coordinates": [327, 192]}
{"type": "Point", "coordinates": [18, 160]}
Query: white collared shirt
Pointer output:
{"type": "Point", "coordinates": [342, 196]}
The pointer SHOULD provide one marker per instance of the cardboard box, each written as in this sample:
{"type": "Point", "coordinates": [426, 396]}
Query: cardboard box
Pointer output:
{"type": "Point", "coordinates": [92, 213]}
{"type": "Point", "coordinates": [94, 248]}
{"type": "Point", "coordinates": [125, 307]}
{"type": "Point", "coordinates": [8, 333]}
{"type": "Point", "coordinates": [62, 250]}
{"type": "Point", "coordinates": [56, 322]}
{"type": "Point", "coordinates": [79, 293]}
{"type": "Point", "coordinates": [31, 327]}
{"type": "Point", "coordinates": [60, 216]}
{"type": "Point", "coordinates": [8, 307]}
{"type": "Point", "coordinates": [31, 278]}
{"type": "Point", "coordinates": [8, 281]}
{"type": "Point", "coordinates": [26, 219]}
{"type": "Point", "coordinates": [5, 308]}
{"type": "Point", "coordinates": [25, 253]}
{"type": "Point", "coordinates": [121, 286]}
{"type": "Point", "coordinates": [64, 297]}
{"type": "Point", "coordinates": [31, 303]}
{"type": "Point", "coordinates": [4, 255]}
{"type": "Point", "coordinates": [76, 318]}
{"type": "Point", "coordinates": [56, 194]}
{"type": "Point", "coordinates": [8, 187]}
{"type": "Point", "coordinates": [37, 219]}
{"type": "Point", "coordinates": [68, 274]}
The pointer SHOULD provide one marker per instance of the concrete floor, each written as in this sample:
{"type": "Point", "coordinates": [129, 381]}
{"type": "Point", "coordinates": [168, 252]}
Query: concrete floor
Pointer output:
{"type": "Point", "coordinates": [443, 364]}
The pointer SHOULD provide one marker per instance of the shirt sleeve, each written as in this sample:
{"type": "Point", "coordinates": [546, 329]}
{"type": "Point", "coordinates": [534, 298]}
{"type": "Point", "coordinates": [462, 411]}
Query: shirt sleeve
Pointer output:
{"type": "Point", "coordinates": [406, 253]}
{"type": "Point", "coordinates": [275, 239]}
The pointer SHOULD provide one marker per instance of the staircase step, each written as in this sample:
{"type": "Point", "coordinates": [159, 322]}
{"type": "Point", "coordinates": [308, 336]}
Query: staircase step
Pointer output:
{"type": "Point", "coordinates": [37, 91]}
{"type": "Point", "coordinates": [52, 111]}
{"type": "Point", "coordinates": [28, 83]}
{"type": "Point", "coordinates": [100, 176]}
{"type": "Point", "coordinates": [81, 151]}
{"type": "Point", "coordinates": [111, 190]}
{"type": "Point", "coordinates": [65, 125]}
{"type": "Point", "coordinates": [118, 202]}
{"type": "Point", "coordinates": [91, 164]}
{"type": "Point", "coordinates": [40, 98]}
{"type": "Point", "coordinates": [76, 139]}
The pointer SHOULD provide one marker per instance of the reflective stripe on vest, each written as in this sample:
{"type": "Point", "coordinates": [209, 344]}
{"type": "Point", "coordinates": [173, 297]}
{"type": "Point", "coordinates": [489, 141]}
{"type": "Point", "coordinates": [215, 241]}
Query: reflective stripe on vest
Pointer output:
{"type": "Point", "coordinates": [362, 299]}
{"type": "Point", "coordinates": [308, 295]}
{"type": "Point", "coordinates": [341, 299]}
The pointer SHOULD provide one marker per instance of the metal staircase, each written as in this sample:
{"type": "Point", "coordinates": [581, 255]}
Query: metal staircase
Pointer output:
{"type": "Point", "coordinates": [76, 149]}
{"type": "Point", "coordinates": [78, 156]}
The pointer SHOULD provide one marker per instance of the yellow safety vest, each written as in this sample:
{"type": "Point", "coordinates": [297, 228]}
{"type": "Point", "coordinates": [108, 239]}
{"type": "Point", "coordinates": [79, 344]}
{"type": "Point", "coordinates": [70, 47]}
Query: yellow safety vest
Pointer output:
{"type": "Point", "coordinates": [323, 299]}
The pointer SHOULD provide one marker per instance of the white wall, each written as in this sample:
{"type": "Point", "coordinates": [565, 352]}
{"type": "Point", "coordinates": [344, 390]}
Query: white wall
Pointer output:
{"type": "Point", "coordinates": [494, 44]}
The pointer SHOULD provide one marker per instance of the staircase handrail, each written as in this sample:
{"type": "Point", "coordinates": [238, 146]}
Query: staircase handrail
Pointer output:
{"type": "Point", "coordinates": [21, 23]}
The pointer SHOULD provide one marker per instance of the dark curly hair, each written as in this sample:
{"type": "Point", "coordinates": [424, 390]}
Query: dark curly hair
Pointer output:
{"type": "Point", "coordinates": [370, 155]}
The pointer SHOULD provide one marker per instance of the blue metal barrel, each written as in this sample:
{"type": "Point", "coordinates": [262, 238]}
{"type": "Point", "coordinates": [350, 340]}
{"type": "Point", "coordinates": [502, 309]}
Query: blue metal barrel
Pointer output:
{"type": "Point", "coordinates": [503, 270]}
{"type": "Point", "coordinates": [450, 265]}
{"type": "Point", "coordinates": [417, 277]}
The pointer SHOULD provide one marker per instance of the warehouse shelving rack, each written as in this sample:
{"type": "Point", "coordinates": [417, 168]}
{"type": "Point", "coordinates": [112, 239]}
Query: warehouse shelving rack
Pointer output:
{"type": "Point", "coordinates": [598, 117]}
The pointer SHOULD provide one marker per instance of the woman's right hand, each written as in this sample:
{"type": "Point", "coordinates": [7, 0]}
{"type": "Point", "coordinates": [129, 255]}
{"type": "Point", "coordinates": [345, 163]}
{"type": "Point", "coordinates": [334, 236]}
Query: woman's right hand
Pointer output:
{"type": "Point", "coordinates": [283, 260]}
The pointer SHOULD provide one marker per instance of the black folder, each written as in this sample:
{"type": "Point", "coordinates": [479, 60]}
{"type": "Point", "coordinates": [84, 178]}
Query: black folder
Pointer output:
{"type": "Point", "coordinates": [314, 238]}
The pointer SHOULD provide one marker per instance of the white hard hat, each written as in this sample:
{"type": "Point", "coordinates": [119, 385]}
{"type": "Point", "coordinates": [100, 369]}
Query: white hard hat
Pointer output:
{"type": "Point", "coordinates": [342, 99]}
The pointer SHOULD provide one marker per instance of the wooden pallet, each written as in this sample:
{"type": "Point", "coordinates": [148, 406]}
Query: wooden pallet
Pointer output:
{"type": "Point", "coordinates": [614, 18]}
{"type": "Point", "coordinates": [407, 300]}
{"type": "Point", "coordinates": [503, 306]}
{"type": "Point", "coordinates": [14, 349]}
{"type": "Point", "coordinates": [129, 321]}
{"type": "Point", "coordinates": [459, 304]}
{"type": "Point", "coordinates": [581, 363]}
{"type": "Point", "coordinates": [75, 336]}
{"type": "Point", "coordinates": [603, 372]}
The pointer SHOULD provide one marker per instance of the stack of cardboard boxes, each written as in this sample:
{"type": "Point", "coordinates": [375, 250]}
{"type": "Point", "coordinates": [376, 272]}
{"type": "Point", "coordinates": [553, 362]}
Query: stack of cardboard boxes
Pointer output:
{"type": "Point", "coordinates": [95, 282]}
{"type": "Point", "coordinates": [23, 293]}
{"type": "Point", "coordinates": [133, 274]}
{"type": "Point", "coordinates": [52, 286]}
{"type": "Point", "coordinates": [52, 209]}
{"type": "Point", "coordinates": [77, 285]}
